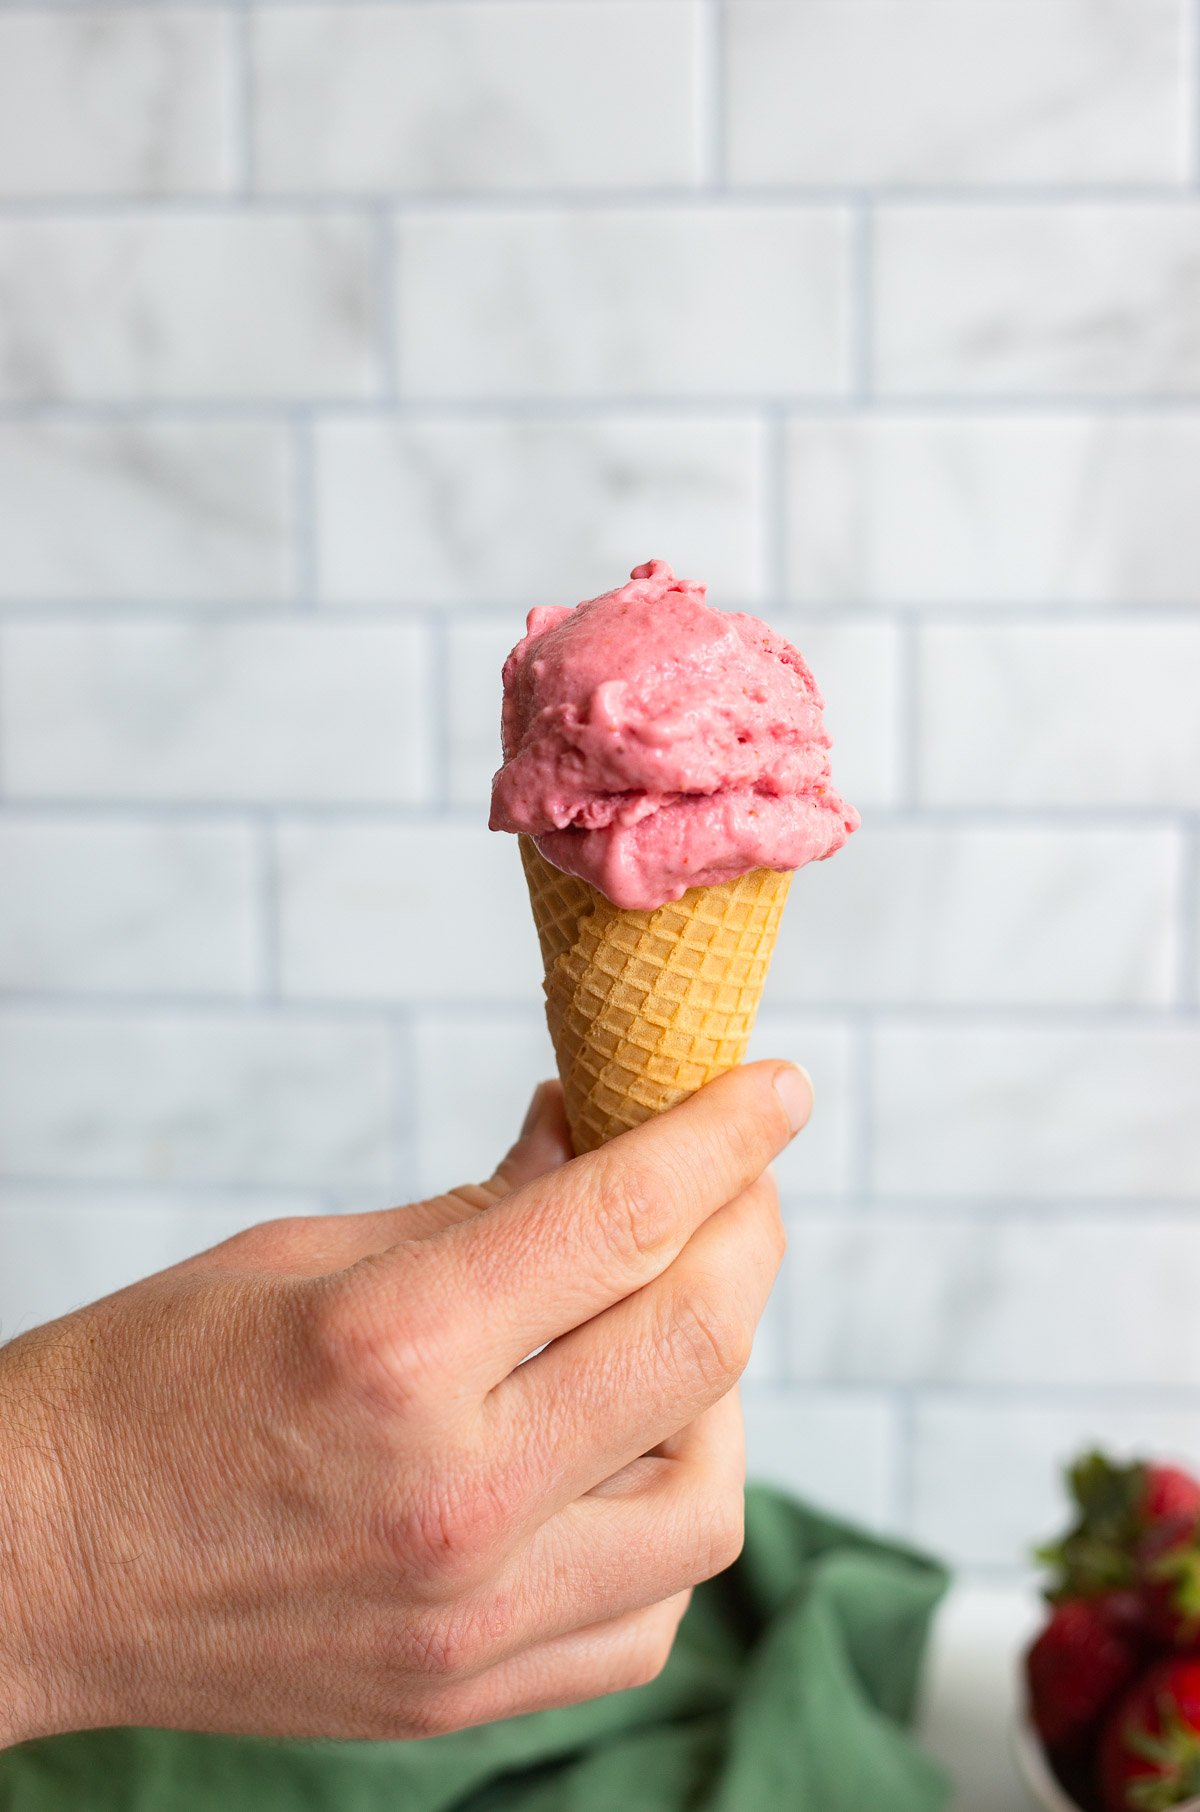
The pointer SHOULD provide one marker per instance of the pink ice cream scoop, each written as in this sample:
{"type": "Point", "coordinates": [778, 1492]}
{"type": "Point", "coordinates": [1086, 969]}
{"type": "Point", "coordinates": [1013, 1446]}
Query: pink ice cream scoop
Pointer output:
{"type": "Point", "coordinates": [652, 744]}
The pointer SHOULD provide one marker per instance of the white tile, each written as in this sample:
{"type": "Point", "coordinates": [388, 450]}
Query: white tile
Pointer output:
{"type": "Point", "coordinates": [475, 1074]}
{"type": "Point", "coordinates": [856, 666]}
{"type": "Point", "coordinates": [473, 1078]}
{"type": "Point", "coordinates": [1059, 715]}
{"type": "Point", "coordinates": [536, 512]}
{"type": "Point", "coordinates": [147, 512]}
{"type": "Point", "coordinates": [838, 1449]}
{"type": "Point", "coordinates": [135, 907]}
{"type": "Point", "coordinates": [432, 912]}
{"type": "Point", "coordinates": [248, 711]}
{"type": "Point", "coordinates": [994, 510]}
{"type": "Point", "coordinates": [1102, 1110]}
{"type": "Point", "coordinates": [476, 654]}
{"type": "Point", "coordinates": [821, 1161]}
{"type": "Point", "coordinates": [865, 91]}
{"type": "Point", "coordinates": [858, 669]}
{"type": "Point", "coordinates": [116, 101]}
{"type": "Point", "coordinates": [953, 1300]}
{"type": "Point", "coordinates": [476, 96]}
{"type": "Point", "coordinates": [964, 1445]}
{"type": "Point", "coordinates": [153, 305]}
{"type": "Point", "coordinates": [212, 1098]}
{"type": "Point", "coordinates": [60, 1249]}
{"type": "Point", "coordinates": [996, 915]}
{"type": "Point", "coordinates": [711, 302]}
{"type": "Point", "coordinates": [1049, 300]}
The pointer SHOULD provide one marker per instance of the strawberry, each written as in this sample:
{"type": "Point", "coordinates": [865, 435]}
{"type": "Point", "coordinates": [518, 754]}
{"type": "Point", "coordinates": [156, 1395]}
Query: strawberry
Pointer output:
{"type": "Point", "coordinates": [1170, 1492]}
{"type": "Point", "coordinates": [1116, 1505]}
{"type": "Point", "coordinates": [1169, 1577]}
{"type": "Point", "coordinates": [1150, 1753]}
{"type": "Point", "coordinates": [1087, 1655]}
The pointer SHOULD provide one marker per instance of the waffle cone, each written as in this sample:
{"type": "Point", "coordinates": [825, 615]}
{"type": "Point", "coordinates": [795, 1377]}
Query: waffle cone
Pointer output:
{"type": "Point", "coordinates": [645, 1007]}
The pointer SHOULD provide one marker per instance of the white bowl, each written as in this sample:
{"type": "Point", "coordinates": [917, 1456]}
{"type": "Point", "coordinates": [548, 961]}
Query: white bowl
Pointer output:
{"type": "Point", "coordinates": [1040, 1784]}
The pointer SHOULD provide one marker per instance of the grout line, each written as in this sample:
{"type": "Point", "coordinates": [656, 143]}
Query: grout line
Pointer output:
{"type": "Point", "coordinates": [985, 198]}
{"type": "Point", "coordinates": [1134, 1212]}
{"type": "Point", "coordinates": [982, 1016]}
{"type": "Point", "coordinates": [1061, 821]}
{"type": "Point", "coordinates": [904, 1459]}
{"type": "Point", "coordinates": [304, 502]}
{"type": "Point", "coordinates": [441, 733]}
{"type": "Point", "coordinates": [908, 716]}
{"type": "Point", "coordinates": [860, 1167]}
{"type": "Point", "coordinates": [404, 1125]}
{"type": "Point", "coordinates": [710, 96]}
{"type": "Point", "coordinates": [861, 252]}
{"type": "Point", "coordinates": [582, 408]}
{"type": "Point", "coordinates": [243, 101]}
{"type": "Point", "coordinates": [1188, 954]}
{"type": "Point", "coordinates": [775, 504]}
{"type": "Point", "coordinates": [267, 900]}
{"type": "Point", "coordinates": [387, 305]}
{"type": "Point", "coordinates": [855, 613]}
{"type": "Point", "coordinates": [1191, 76]}
{"type": "Point", "coordinates": [965, 1210]}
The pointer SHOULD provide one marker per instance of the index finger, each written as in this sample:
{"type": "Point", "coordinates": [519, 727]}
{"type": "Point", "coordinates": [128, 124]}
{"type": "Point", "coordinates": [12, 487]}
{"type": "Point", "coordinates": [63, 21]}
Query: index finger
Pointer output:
{"type": "Point", "coordinates": [570, 1245]}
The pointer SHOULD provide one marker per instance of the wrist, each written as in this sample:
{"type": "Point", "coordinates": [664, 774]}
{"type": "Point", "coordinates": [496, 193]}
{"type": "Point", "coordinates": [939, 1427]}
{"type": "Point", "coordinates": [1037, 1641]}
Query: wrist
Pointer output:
{"type": "Point", "coordinates": [30, 1514]}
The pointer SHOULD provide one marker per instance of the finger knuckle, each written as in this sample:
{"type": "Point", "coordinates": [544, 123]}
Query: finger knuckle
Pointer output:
{"type": "Point", "coordinates": [650, 1655]}
{"type": "Point", "coordinates": [721, 1536]}
{"type": "Point", "coordinates": [431, 1715]}
{"type": "Point", "coordinates": [450, 1535]}
{"type": "Point", "coordinates": [448, 1646]}
{"type": "Point", "coordinates": [264, 1237]}
{"type": "Point", "coordinates": [366, 1350]}
{"type": "Point", "coordinates": [634, 1212]}
{"type": "Point", "coordinates": [711, 1340]}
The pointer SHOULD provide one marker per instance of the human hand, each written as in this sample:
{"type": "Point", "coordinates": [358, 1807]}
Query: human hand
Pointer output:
{"type": "Point", "coordinates": [303, 1484]}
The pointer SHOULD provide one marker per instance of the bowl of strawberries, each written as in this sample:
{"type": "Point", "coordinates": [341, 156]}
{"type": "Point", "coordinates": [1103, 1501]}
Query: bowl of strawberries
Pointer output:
{"type": "Point", "coordinates": [1112, 1680]}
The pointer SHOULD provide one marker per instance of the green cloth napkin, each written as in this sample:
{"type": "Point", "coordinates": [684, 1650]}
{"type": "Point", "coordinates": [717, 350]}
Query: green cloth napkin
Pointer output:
{"type": "Point", "coordinates": [789, 1689]}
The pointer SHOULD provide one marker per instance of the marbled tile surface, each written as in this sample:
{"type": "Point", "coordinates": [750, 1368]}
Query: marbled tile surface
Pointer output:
{"type": "Point", "coordinates": [732, 301]}
{"type": "Point", "coordinates": [335, 337]}
{"type": "Point", "coordinates": [146, 512]}
{"type": "Point", "coordinates": [1039, 300]}
{"type": "Point", "coordinates": [527, 512]}
{"type": "Point", "coordinates": [598, 94]}
{"type": "Point", "coordinates": [147, 305]}
{"type": "Point", "coordinates": [932, 92]}
{"type": "Point", "coordinates": [116, 100]}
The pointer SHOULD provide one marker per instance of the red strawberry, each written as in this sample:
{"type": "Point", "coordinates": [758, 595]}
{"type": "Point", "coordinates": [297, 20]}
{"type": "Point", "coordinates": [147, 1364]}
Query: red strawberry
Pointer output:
{"type": "Point", "coordinates": [1150, 1754]}
{"type": "Point", "coordinates": [1115, 1506]}
{"type": "Point", "coordinates": [1170, 1492]}
{"type": "Point", "coordinates": [1169, 1577]}
{"type": "Point", "coordinates": [1086, 1655]}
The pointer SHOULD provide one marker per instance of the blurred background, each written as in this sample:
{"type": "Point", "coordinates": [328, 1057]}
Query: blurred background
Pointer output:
{"type": "Point", "coordinates": [334, 337]}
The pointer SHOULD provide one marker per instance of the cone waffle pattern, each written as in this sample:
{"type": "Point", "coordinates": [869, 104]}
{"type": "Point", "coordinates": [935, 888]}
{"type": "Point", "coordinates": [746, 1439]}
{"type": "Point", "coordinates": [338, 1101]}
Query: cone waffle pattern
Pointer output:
{"type": "Point", "coordinates": [645, 1007]}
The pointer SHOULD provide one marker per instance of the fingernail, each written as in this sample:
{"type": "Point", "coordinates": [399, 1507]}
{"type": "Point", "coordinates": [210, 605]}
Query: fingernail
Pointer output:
{"type": "Point", "coordinates": [533, 1112]}
{"type": "Point", "coordinates": [794, 1087]}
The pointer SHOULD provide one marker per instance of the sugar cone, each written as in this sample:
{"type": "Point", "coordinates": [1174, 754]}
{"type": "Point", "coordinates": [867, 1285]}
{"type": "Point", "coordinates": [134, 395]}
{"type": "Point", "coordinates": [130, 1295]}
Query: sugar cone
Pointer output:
{"type": "Point", "coordinates": [645, 1007]}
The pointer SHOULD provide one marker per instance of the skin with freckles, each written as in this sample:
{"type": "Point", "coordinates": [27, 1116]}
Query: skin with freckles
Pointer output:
{"type": "Point", "coordinates": [311, 1483]}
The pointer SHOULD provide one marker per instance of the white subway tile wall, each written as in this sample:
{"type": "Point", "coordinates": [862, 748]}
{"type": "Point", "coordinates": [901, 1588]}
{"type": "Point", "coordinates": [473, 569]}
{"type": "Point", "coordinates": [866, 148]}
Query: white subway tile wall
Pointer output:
{"type": "Point", "coordinates": [334, 338]}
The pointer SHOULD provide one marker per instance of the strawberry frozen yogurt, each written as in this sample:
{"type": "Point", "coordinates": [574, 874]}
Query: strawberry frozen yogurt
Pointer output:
{"type": "Point", "coordinates": [652, 744]}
